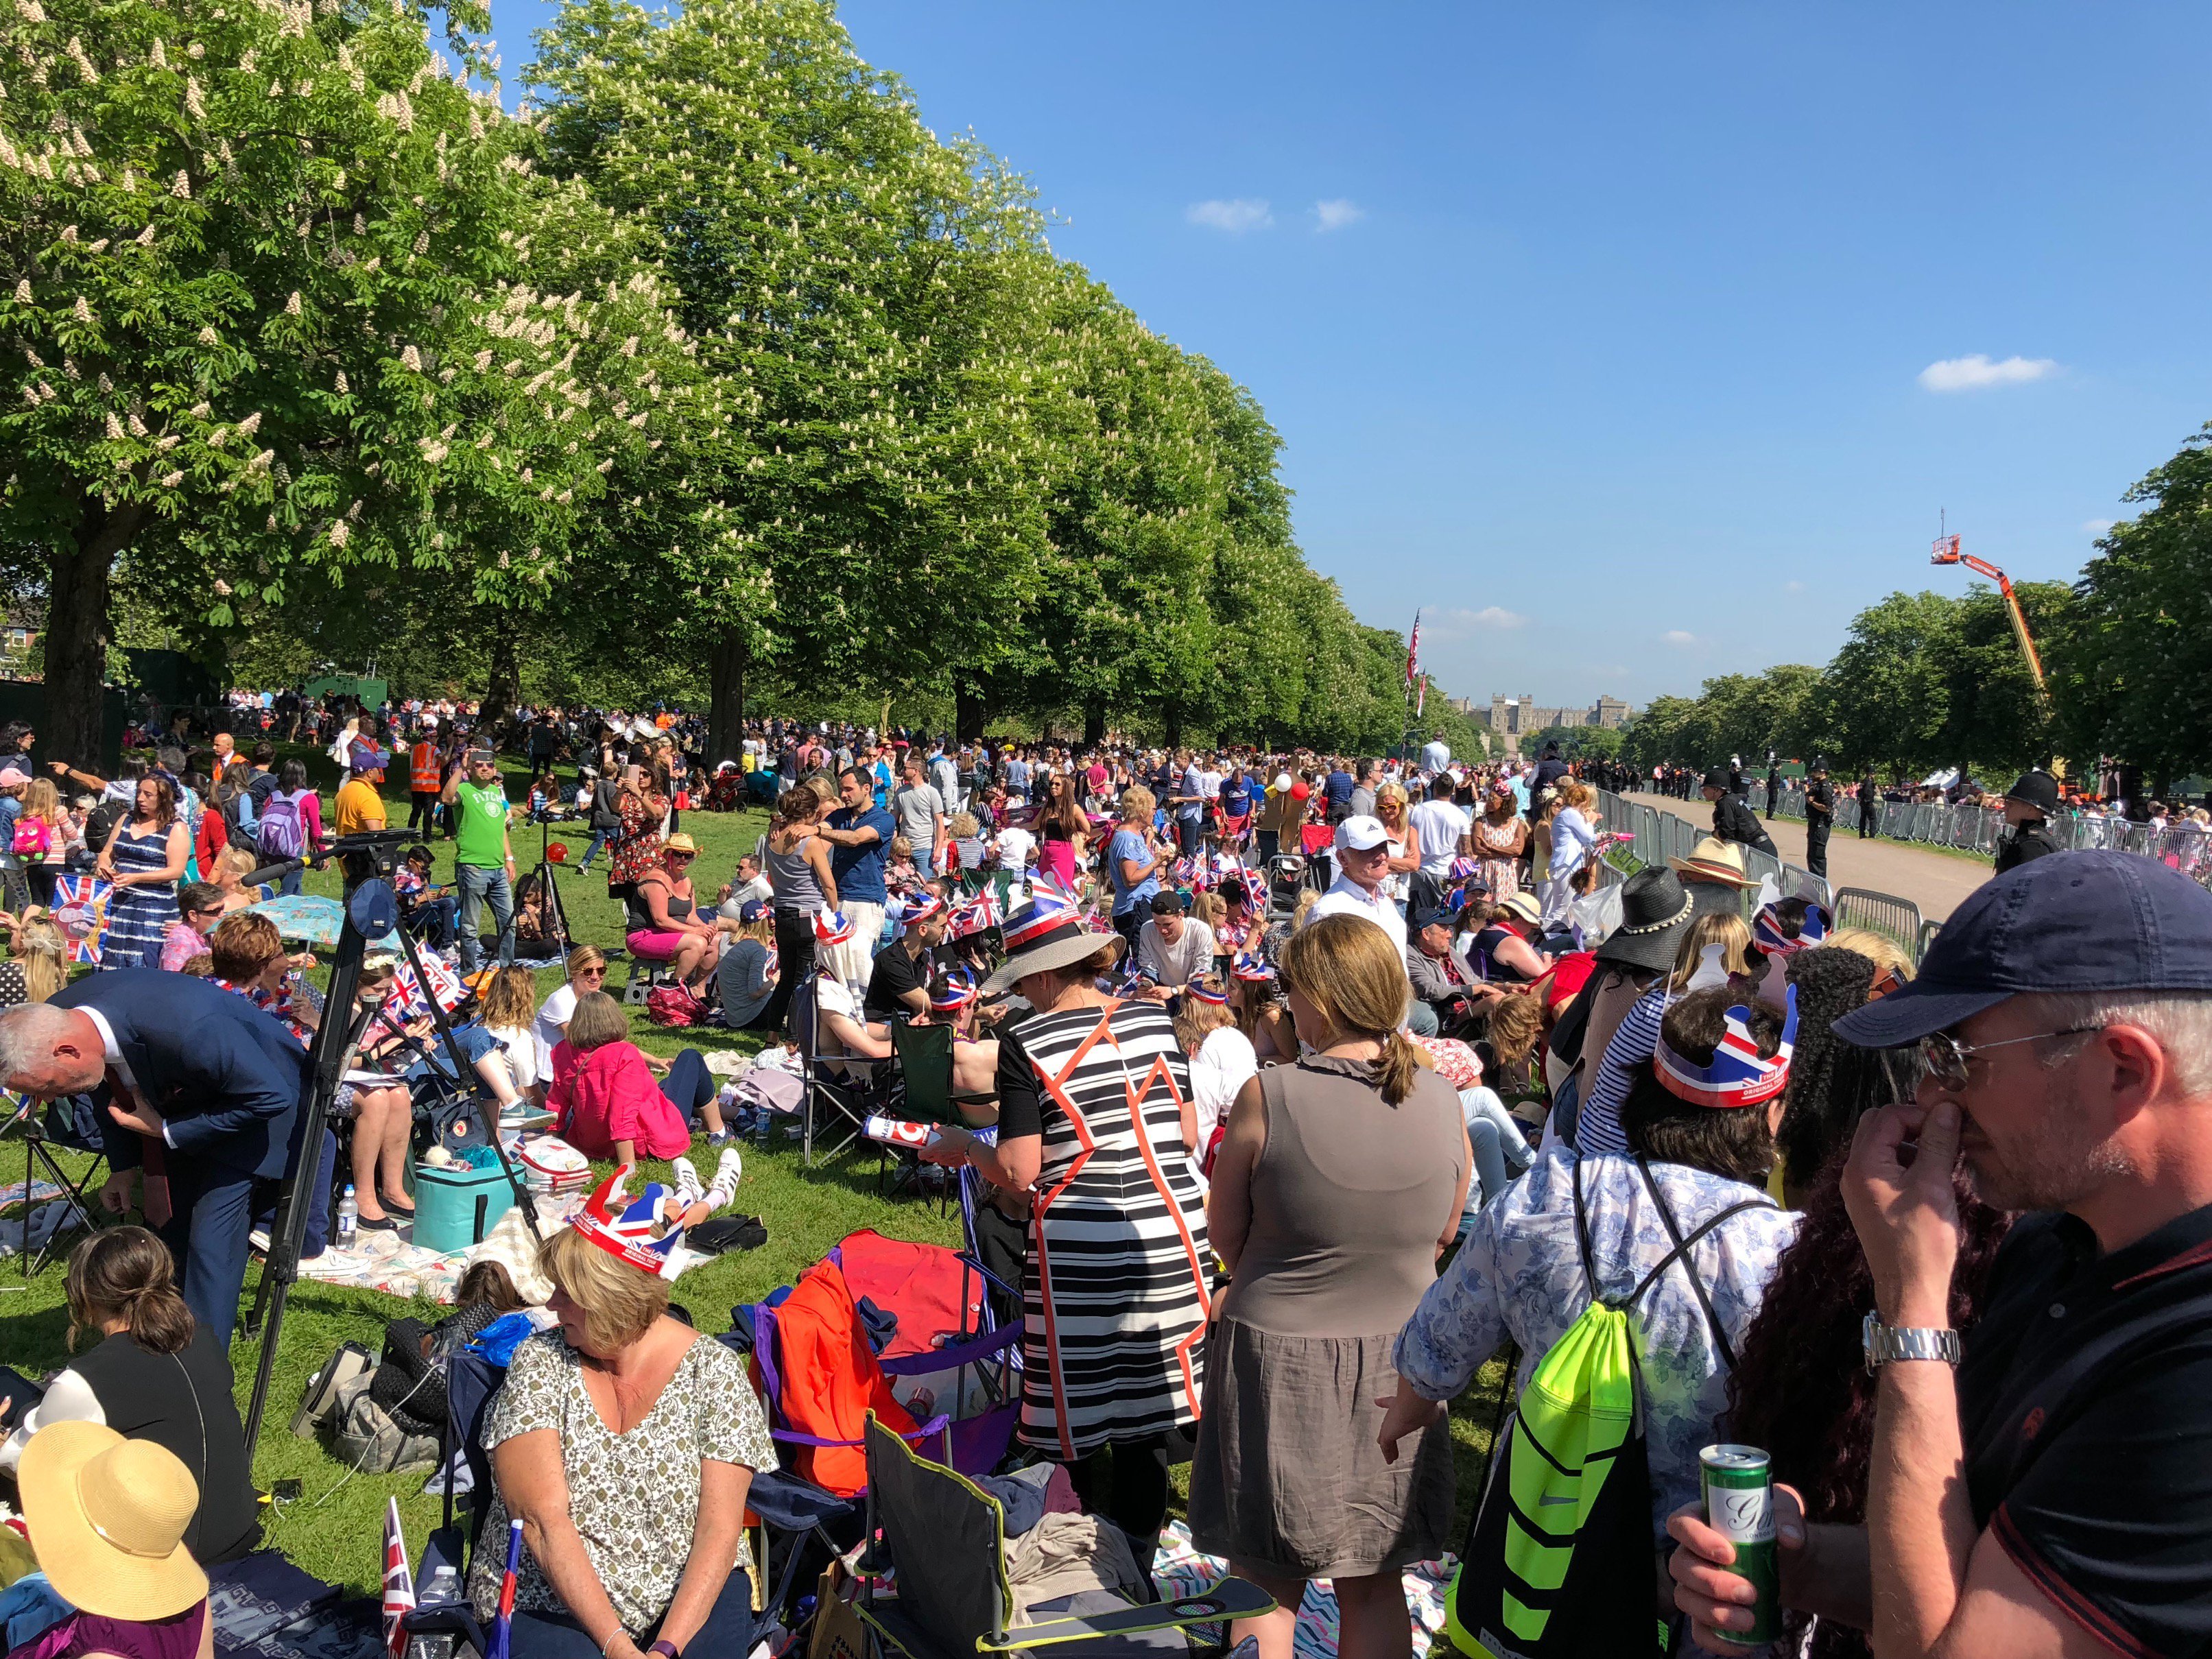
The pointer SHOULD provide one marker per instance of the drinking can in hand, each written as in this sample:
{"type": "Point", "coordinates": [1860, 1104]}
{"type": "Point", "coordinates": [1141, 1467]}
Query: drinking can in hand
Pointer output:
{"type": "Point", "coordinates": [1739, 1493]}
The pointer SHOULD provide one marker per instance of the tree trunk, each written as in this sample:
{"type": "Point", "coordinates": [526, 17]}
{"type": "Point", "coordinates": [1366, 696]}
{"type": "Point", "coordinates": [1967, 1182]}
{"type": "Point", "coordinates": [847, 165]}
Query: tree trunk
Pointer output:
{"type": "Point", "coordinates": [969, 713]}
{"type": "Point", "coordinates": [726, 696]}
{"type": "Point", "coordinates": [1094, 725]}
{"type": "Point", "coordinates": [504, 689]}
{"type": "Point", "coordinates": [78, 631]}
{"type": "Point", "coordinates": [1171, 723]}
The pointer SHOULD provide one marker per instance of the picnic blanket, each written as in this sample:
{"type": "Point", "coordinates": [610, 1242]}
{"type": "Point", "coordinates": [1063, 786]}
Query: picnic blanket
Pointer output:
{"type": "Point", "coordinates": [1180, 1570]}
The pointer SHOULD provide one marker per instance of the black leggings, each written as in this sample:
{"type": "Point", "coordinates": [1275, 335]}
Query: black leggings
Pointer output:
{"type": "Point", "coordinates": [794, 966]}
{"type": "Point", "coordinates": [1126, 1481]}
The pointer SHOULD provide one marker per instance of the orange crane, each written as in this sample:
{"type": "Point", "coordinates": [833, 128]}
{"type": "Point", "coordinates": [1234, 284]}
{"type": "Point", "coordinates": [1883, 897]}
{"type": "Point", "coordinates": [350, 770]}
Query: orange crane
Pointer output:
{"type": "Point", "coordinates": [1947, 552]}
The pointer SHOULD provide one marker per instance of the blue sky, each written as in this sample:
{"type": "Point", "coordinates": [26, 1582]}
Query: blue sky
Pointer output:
{"type": "Point", "coordinates": [1614, 333]}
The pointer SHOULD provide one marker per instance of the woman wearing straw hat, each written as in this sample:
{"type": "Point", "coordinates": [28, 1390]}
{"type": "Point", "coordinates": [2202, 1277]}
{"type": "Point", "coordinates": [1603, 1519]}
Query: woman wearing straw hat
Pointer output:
{"type": "Point", "coordinates": [106, 1518]}
{"type": "Point", "coordinates": [1095, 1115]}
{"type": "Point", "coordinates": [1714, 873]}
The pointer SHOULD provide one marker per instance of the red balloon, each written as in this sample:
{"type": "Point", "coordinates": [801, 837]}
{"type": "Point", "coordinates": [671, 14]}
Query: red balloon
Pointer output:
{"type": "Point", "coordinates": [1298, 790]}
{"type": "Point", "coordinates": [557, 853]}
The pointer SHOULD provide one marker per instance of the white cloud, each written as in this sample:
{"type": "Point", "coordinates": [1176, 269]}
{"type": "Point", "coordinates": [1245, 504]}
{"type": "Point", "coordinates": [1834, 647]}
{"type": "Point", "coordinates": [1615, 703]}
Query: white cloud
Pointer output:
{"type": "Point", "coordinates": [1972, 373]}
{"type": "Point", "coordinates": [1244, 213]}
{"type": "Point", "coordinates": [1337, 214]}
{"type": "Point", "coordinates": [1496, 615]}
{"type": "Point", "coordinates": [2098, 526]}
{"type": "Point", "coordinates": [1457, 623]}
{"type": "Point", "coordinates": [1676, 636]}
{"type": "Point", "coordinates": [1793, 587]}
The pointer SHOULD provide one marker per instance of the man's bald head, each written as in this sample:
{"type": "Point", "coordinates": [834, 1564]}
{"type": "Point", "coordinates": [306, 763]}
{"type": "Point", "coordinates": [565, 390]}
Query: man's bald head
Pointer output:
{"type": "Point", "coordinates": [49, 1052]}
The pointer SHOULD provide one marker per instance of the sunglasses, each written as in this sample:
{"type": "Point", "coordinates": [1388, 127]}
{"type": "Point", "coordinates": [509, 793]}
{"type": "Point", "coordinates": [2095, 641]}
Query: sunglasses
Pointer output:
{"type": "Point", "coordinates": [590, 973]}
{"type": "Point", "coordinates": [1945, 1056]}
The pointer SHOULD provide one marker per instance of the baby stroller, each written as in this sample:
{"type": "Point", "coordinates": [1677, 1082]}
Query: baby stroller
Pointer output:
{"type": "Point", "coordinates": [1286, 875]}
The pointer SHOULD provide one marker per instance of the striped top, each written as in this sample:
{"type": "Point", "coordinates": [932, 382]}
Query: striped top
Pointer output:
{"type": "Point", "coordinates": [1116, 1300]}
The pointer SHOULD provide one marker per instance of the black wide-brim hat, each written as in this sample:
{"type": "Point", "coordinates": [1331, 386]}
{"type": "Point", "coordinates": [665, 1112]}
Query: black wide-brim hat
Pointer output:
{"type": "Point", "coordinates": [1655, 908]}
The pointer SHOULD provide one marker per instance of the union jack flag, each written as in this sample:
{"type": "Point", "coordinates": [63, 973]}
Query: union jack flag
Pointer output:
{"type": "Point", "coordinates": [79, 910]}
{"type": "Point", "coordinates": [502, 1629]}
{"type": "Point", "coordinates": [636, 1231]}
{"type": "Point", "coordinates": [398, 1582]}
{"type": "Point", "coordinates": [1737, 1075]}
{"type": "Point", "coordinates": [977, 915]}
{"type": "Point", "coordinates": [407, 990]}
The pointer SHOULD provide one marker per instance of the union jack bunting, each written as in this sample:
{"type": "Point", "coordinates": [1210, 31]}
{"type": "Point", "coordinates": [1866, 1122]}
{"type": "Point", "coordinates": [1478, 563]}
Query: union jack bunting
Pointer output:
{"type": "Point", "coordinates": [1737, 1075]}
{"type": "Point", "coordinates": [79, 910]}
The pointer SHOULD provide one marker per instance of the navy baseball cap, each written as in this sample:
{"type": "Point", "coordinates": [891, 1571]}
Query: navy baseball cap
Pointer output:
{"type": "Point", "coordinates": [2089, 922]}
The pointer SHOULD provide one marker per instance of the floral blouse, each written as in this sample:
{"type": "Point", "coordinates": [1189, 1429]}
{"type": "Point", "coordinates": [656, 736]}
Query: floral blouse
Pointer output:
{"type": "Point", "coordinates": [1519, 1274]}
{"type": "Point", "coordinates": [638, 844]}
{"type": "Point", "coordinates": [634, 1497]}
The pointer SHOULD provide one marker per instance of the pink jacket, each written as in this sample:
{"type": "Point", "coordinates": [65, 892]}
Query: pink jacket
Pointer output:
{"type": "Point", "coordinates": [608, 1095]}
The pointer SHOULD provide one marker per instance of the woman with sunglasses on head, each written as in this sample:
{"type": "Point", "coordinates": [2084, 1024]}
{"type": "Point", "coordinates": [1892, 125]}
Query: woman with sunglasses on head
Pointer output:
{"type": "Point", "coordinates": [665, 923]}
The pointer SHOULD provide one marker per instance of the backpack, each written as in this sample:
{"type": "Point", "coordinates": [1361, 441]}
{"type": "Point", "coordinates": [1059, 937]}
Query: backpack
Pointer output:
{"type": "Point", "coordinates": [1558, 1555]}
{"type": "Point", "coordinates": [673, 1005]}
{"type": "Point", "coordinates": [281, 832]}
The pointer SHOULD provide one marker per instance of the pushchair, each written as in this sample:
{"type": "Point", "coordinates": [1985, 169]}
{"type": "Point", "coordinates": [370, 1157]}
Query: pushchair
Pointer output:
{"type": "Point", "coordinates": [1286, 875]}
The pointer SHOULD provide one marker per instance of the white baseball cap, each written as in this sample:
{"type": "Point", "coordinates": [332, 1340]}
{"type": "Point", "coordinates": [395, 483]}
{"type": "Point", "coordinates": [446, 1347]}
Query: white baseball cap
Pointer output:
{"type": "Point", "coordinates": [1361, 834]}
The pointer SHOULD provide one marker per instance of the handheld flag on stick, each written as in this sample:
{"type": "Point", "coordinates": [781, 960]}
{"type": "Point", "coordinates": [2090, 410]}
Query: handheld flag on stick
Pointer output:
{"type": "Point", "coordinates": [1413, 652]}
{"type": "Point", "coordinates": [503, 1627]}
{"type": "Point", "coordinates": [398, 1582]}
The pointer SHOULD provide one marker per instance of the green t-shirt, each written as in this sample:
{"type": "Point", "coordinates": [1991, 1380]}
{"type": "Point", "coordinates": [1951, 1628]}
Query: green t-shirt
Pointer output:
{"type": "Point", "coordinates": [484, 825]}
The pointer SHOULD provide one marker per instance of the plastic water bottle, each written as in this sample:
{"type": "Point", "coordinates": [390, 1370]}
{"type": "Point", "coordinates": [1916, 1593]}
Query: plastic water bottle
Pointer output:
{"type": "Point", "coordinates": [348, 1213]}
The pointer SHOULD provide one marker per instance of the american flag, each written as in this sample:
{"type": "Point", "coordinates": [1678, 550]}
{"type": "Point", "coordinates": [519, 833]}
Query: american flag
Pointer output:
{"type": "Point", "coordinates": [1413, 652]}
{"type": "Point", "coordinates": [398, 1582]}
{"type": "Point", "coordinates": [503, 1626]}
{"type": "Point", "coordinates": [80, 911]}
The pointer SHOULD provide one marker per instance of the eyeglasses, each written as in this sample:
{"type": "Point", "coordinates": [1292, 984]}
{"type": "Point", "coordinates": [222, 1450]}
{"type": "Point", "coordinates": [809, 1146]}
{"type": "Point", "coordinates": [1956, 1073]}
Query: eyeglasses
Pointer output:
{"type": "Point", "coordinates": [1947, 1057]}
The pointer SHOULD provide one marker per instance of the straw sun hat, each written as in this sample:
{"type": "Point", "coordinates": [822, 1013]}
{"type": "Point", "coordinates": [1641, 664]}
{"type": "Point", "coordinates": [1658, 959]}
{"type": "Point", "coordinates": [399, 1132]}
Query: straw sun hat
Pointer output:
{"type": "Point", "coordinates": [1714, 860]}
{"type": "Point", "coordinates": [107, 1516]}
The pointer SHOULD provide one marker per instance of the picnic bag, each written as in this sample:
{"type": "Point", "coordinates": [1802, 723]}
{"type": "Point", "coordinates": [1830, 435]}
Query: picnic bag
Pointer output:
{"type": "Point", "coordinates": [673, 1005]}
{"type": "Point", "coordinates": [1565, 1521]}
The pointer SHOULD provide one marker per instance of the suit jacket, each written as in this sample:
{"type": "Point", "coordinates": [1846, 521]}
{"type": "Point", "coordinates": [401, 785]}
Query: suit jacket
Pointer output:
{"type": "Point", "coordinates": [226, 1078]}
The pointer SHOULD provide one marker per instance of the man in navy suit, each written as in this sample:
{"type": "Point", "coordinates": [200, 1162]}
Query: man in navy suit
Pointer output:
{"type": "Point", "coordinates": [190, 1072]}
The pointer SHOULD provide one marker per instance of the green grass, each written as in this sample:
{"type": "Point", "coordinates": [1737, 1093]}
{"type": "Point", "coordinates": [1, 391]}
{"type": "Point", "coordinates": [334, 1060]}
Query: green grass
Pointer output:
{"type": "Point", "coordinates": [335, 1528]}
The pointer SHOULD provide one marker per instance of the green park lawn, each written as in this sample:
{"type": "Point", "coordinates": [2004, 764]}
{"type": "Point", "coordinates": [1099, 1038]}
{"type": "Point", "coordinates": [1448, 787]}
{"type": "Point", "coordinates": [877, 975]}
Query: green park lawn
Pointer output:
{"type": "Point", "coordinates": [334, 1528]}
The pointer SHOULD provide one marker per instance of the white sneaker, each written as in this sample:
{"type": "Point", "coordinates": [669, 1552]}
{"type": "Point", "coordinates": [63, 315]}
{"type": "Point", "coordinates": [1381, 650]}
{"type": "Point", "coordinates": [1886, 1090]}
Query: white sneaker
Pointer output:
{"type": "Point", "coordinates": [724, 1192]}
{"type": "Point", "coordinates": [688, 1190]}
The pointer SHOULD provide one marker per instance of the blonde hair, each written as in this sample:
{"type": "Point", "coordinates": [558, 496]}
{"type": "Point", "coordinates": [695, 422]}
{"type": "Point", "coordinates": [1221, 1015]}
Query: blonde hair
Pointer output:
{"type": "Point", "coordinates": [1307, 897]}
{"type": "Point", "coordinates": [597, 1021]}
{"type": "Point", "coordinates": [1347, 967]}
{"type": "Point", "coordinates": [586, 956]}
{"type": "Point", "coordinates": [1208, 907]}
{"type": "Point", "coordinates": [1138, 803]}
{"type": "Point", "coordinates": [1724, 928]}
{"type": "Point", "coordinates": [1885, 952]}
{"type": "Point", "coordinates": [1578, 794]}
{"type": "Point", "coordinates": [1198, 1019]}
{"type": "Point", "coordinates": [963, 824]}
{"type": "Point", "coordinates": [1389, 792]}
{"type": "Point", "coordinates": [44, 954]}
{"type": "Point", "coordinates": [1516, 1024]}
{"type": "Point", "coordinates": [511, 1001]}
{"type": "Point", "coordinates": [42, 801]}
{"type": "Point", "coordinates": [239, 862]}
{"type": "Point", "coordinates": [620, 1304]}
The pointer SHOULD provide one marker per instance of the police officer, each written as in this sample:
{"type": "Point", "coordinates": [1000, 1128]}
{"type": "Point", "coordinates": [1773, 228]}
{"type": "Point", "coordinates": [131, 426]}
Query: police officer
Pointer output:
{"type": "Point", "coordinates": [2028, 805]}
{"type": "Point", "coordinates": [1869, 803]}
{"type": "Point", "coordinates": [1819, 818]}
{"type": "Point", "coordinates": [1734, 820]}
{"type": "Point", "coordinates": [1773, 788]}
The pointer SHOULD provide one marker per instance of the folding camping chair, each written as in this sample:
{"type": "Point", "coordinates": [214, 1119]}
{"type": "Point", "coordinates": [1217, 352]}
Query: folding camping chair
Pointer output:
{"type": "Point", "coordinates": [845, 1102]}
{"type": "Point", "coordinates": [944, 1543]}
{"type": "Point", "coordinates": [922, 1093]}
{"type": "Point", "coordinates": [69, 1123]}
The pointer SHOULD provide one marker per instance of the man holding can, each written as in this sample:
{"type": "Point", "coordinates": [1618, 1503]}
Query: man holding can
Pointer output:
{"type": "Point", "coordinates": [2042, 1483]}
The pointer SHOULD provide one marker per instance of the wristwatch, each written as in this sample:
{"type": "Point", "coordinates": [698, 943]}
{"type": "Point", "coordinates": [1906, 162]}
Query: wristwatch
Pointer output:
{"type": "Point", "coordinates": [1882, 1343]}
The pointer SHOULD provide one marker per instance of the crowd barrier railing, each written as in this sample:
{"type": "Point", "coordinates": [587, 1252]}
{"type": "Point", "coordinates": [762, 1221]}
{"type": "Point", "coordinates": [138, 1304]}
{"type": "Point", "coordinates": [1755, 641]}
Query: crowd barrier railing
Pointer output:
{"type": "Point", "coordinates": [1970, 828]}
{"type": "Point", "coordinates": [1885, 913]}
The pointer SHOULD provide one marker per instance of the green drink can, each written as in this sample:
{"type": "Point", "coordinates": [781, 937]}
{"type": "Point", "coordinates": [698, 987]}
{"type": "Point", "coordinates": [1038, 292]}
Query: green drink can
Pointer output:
{"type": "Point", "coordinates": [1739, 1491]}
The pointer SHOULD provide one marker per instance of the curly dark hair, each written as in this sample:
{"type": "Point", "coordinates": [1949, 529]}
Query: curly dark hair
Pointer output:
{"type": "Point", "coordinates": [1831, 1082]}
{"type": "Point", "coordinates": [1800, 1389]}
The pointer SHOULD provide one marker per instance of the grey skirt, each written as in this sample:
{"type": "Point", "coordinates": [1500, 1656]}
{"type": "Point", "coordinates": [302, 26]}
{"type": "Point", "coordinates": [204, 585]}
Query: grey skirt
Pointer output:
{"type": "Point", "coordinates": [1288, 1478]}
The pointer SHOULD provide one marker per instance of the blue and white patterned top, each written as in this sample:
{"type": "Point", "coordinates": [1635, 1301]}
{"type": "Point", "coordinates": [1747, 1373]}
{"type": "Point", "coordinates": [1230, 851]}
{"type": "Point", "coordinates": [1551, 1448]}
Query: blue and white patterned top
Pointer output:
{"type": "Point", "coordinates": [1519, 1274]}
{"type": "Point", "coordinates": [1633, 1042]}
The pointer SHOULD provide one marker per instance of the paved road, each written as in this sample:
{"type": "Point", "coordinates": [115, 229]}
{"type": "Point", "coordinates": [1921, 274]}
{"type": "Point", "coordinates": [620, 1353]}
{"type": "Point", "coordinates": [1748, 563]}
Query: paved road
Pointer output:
{"type": "Point", "coordinates": [1936, 882]}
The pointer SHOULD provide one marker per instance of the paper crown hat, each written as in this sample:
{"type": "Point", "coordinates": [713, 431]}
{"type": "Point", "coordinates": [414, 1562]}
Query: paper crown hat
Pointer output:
{"type": "Point", "coordinates": [1737, 1074]}
{"type": "Point", "coordinates": [637, 1232]}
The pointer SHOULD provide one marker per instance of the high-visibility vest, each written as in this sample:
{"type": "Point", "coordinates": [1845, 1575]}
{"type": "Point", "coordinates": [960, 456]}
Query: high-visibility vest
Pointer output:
{"type": "Point", "coordinates": [422, 769]}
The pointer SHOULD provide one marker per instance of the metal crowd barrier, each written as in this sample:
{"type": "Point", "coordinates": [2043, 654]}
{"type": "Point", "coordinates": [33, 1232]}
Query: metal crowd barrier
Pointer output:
{"type": "Point", "coordinates": [1885, 913]}
{"type": "Point", "coordinates": [1657, 837]}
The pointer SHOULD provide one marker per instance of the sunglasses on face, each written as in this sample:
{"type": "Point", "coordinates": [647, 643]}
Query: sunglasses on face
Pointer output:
{"type": "Point", "coordinates": [590, 973]}
{"type": "Point", "coordinates": [1946, 1057]}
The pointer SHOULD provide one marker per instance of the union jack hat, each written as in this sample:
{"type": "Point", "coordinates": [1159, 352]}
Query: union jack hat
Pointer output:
{"type": "Point", "coordinates": [1737, 1075]}
{"type": "Point", "coordinates": [921, 906]}
{"type": "Point", "coordinates": [1252, 968]}
{"type": "Point", "coordinates": [1463, 867]}
{"type": "Point", "coordinates": [955, 992]}
{"type": "Point", "coordinates": [1768, 937]}
{"type": "Point", "coordinates": [1215, 994]}
{"type": "Point", "coordinates": [977, 915]}
{"type": "Point", "coordinates": [1046, 913]}
{"type": "Point", "coordinates": [832, 928]}
{"type": "Point", "coordinates": [636, 1231]}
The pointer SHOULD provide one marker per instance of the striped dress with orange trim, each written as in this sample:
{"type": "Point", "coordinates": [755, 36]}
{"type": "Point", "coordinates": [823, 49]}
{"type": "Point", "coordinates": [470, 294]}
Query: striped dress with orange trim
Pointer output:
{"type": "Point", "coordinates": [1115, 1299]}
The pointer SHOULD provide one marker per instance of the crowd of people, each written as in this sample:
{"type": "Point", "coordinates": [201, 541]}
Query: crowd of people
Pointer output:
{"type": "Point", "coordinates": [1292, 1088]}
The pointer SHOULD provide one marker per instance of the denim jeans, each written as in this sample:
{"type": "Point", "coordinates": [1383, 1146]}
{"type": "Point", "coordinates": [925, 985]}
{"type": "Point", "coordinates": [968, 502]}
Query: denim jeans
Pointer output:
{"type": "Point", "coordinates": [599, 838]}
{"type": "Point", "coordinates": [477, 883]}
